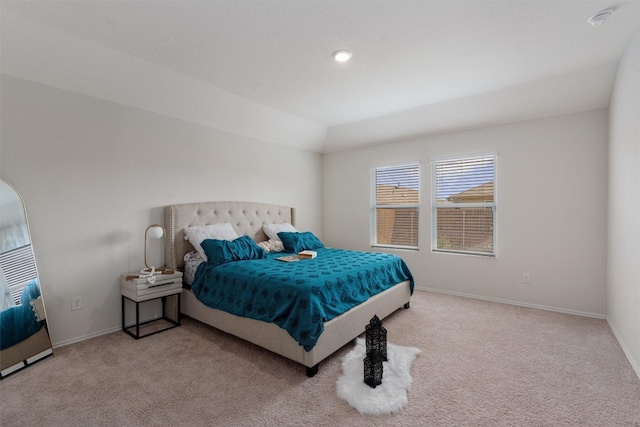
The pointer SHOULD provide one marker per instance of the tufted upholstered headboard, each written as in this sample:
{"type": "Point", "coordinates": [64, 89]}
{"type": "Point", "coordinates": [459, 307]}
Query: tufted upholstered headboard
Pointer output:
{"type": "Point", "coordinates": [246, 217]}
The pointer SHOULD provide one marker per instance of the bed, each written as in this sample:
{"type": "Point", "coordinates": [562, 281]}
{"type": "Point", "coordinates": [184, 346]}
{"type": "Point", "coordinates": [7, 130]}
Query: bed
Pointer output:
{"type": "Point", "coordinates": [248, 218]}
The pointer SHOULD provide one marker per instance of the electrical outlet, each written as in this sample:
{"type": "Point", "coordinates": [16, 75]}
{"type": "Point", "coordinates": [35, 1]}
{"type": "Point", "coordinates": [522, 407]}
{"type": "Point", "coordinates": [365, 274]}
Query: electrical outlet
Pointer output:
{"type": "Point", "coordinates": [76, 303]}
{"type": "Point", "coordinates": [526, 278]}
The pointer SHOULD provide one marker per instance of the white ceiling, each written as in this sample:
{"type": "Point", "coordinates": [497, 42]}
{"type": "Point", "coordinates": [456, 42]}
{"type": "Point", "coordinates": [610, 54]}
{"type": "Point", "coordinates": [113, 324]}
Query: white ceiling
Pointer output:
{"type": "Point", "coordinates": [418, 67]}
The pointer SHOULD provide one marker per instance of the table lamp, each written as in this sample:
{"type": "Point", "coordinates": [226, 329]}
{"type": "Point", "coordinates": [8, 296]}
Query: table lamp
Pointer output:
{"type": "Point", "coordinates": [154, 231]}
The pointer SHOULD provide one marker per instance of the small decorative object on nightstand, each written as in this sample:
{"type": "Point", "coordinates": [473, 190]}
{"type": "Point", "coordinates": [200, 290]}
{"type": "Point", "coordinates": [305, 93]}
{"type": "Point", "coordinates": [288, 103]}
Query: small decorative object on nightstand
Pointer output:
{"type": "Point", "coordinates": [137, 288]}
{"type": "Point", "coordinates": [376, 352]}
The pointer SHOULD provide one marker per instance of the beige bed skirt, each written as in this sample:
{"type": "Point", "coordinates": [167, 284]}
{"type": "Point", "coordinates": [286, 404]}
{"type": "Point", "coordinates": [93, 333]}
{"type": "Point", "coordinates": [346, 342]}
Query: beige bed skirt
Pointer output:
{"type": "Point", "coordinates": [337, 332]}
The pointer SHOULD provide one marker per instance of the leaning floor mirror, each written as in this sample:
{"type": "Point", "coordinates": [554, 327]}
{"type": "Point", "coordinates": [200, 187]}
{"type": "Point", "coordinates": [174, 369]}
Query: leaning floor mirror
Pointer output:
{"type": "Point", "coordinates": [24, 337]}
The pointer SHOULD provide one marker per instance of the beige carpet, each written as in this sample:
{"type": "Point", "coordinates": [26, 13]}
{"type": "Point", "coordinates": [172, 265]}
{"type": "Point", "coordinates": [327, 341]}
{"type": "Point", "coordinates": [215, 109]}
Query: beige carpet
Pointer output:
{"type": "Point", "coordinates": [482, 364]}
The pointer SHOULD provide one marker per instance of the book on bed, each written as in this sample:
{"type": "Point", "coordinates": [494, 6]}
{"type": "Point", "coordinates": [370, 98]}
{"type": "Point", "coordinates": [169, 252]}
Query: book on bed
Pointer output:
{"type": "Point", "coordinates": [307, 254]}
{"type": "Point", "coordinates": [289, 258]}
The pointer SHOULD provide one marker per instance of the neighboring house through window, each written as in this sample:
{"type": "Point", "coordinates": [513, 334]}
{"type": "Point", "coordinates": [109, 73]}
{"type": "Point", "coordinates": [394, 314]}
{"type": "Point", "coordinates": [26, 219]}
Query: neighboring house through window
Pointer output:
{"type": "Point", "coordinates": [395, 205]}
{"type": "Point", "coordinates": [464, 205]}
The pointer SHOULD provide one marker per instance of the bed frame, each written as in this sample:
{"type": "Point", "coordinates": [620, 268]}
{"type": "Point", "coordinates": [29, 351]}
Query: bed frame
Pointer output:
{"type": "Point", "coordinates": [248, 218]}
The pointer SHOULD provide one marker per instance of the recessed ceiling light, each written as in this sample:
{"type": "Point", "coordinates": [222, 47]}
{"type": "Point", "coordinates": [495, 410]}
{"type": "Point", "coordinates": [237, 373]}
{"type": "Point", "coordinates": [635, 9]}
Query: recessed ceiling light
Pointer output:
{"type": "Point", "coordinates": [342, 55]}
{"type": "Point", "coordinates": [601, 17]}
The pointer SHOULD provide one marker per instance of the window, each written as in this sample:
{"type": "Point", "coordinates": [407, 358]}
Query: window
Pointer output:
{"type": "Point", "coordinates": [395, 206]}
{"type": "Point", "coordinates": [464, 205]}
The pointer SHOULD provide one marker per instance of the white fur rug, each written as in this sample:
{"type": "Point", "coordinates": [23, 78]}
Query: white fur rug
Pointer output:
{"type": "Point", "coordinates": [388, 397]}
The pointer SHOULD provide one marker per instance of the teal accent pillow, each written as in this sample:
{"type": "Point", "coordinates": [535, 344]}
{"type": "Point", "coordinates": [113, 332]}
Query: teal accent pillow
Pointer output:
{"type": "Point", "coordinates": [223, 251]}
{"type": "Point", "coordinates": [245, 248]}
{"type": "Point", "coordinates": [296, 242]}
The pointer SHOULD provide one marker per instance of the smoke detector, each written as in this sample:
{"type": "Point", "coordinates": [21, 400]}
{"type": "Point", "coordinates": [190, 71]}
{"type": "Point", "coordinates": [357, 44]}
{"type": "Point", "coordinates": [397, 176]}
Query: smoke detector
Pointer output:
{"type": "Point", "coordinates": [600, 17]}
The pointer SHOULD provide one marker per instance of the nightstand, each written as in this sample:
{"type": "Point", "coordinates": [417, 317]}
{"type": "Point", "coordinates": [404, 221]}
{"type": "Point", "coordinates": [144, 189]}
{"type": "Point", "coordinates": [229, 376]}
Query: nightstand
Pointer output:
{"type": "Point", "coordinates": [167, 287]}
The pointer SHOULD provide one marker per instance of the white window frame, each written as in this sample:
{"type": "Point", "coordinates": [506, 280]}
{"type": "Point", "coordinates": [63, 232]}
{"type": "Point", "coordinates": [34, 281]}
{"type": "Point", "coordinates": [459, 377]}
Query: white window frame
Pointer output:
{"type": "Point", "coordinates": [435, 204]}
{"type": "Point", "coordinates": [374, 206]}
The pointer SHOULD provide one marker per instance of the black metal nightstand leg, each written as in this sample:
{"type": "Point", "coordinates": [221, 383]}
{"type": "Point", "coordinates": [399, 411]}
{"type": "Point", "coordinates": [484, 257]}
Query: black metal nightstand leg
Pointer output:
{"type": "Point", "coordinates": [123, 327]}
{"type": "Point", "coordinates": [173, 321]}
{"type": "Point", "coordinates": [137, 320]}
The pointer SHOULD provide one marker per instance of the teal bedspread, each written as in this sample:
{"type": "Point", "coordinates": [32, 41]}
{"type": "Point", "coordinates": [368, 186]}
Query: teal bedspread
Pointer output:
{"type": "Point", "coordinates": [19, 322]}
{"type": "Point", "coordinates": [299, 296]}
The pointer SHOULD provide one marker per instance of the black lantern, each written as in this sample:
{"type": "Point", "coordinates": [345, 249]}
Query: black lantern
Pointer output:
{"type": "Point", "coordinates": [376, 339]}
{"type": "Point", "coordinates": [373, 369]}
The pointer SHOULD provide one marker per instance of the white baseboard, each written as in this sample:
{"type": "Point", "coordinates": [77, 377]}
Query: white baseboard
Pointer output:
{"type": "Point", "coordinates": [634, 364]}
{"type": "Point", "coordinates": [97, 334]}
{"type": "Point", "coordinates": [522, 304]}
{"type": "Point", "coordinates": [625, 349]}
{"type": "Point", "coordinates": [85, 337]}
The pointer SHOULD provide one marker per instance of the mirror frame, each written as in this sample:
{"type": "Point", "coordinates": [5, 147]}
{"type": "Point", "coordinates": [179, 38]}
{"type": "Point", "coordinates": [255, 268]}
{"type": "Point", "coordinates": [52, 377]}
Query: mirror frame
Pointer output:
{"type": "Point", "coordinates": [37, 346]}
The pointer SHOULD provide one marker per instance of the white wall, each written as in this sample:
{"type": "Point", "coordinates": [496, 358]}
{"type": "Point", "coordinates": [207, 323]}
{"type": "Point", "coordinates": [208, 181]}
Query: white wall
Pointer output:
{"type": "Point", "coordinates": [623, 280]}
{"type": "Point", "coordinates": [551, 189]}
{"type": "Point", "coordinates": [94, 174]}
{"type": "Point", "coordinates": [48, 55]}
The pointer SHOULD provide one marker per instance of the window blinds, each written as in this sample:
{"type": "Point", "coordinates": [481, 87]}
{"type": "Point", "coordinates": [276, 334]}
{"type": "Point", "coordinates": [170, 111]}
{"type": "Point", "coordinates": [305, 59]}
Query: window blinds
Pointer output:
{"type": "Point", "coordinates": [19, 268]}
{"type": "Point", "coordinates": [464, 205]}
{"type": "Point", "coordinates": [396, 205]}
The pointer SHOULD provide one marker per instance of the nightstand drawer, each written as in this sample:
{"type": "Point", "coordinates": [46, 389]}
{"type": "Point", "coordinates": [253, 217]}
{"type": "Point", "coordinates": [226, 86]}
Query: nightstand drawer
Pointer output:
{"type": "Point", "coordinates": [152, 292]}
{"type": "Point", "coordinates": [140, 289]}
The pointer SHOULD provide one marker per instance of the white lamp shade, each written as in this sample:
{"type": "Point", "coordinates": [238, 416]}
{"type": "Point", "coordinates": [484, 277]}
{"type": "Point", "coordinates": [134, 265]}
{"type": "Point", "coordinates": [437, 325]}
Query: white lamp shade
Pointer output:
{"type": "Point", "coordinates": [155, 232]}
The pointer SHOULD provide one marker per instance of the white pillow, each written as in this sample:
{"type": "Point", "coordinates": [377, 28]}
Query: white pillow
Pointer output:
{"type": "Point", "coordinates": [272, 230]}
{"type": "Point", "coordinates": [265, 245]}
{"type": "Point", "coordinates": [196, 234]}
{"type": "Point", "coordinates": [276, 246]}
{"type": "Point", "coordinates": [272, 245]}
